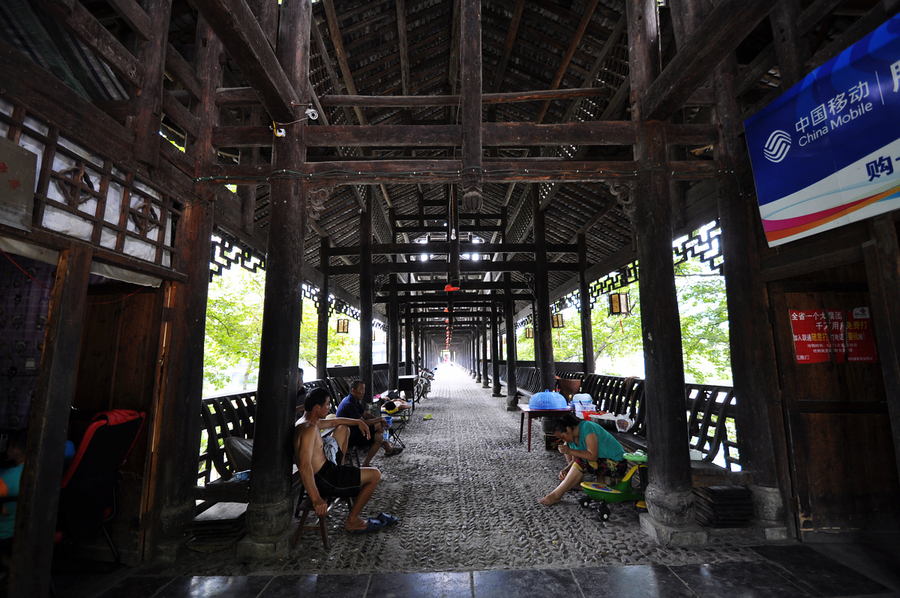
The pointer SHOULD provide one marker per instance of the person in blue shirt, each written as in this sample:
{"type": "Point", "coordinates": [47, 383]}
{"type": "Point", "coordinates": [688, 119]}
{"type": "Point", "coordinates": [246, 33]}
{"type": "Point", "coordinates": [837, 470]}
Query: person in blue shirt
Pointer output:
{"type": "Point", "coordinates": [352, 408]}
{"type": "Point", "coordinates": [588, 448]}
{"type": "Point", "coordinates": [9, 490]}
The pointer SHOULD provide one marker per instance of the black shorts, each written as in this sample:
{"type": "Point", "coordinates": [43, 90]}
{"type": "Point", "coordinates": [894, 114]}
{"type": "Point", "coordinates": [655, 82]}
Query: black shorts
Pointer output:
{"type": "Point", "coordinates": [357, 439]}
{"type": "Point", "coordinates": [339, 481]}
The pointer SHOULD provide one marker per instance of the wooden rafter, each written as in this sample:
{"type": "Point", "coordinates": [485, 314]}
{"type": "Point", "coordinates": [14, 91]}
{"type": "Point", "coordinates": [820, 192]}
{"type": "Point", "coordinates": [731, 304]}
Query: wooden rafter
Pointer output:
{"type": "Point", "coordinates": [573, 45]}
{"type": "Point", "coordinates": [719, 34]}
{"type": "Point", "coordinates": [237, 27]}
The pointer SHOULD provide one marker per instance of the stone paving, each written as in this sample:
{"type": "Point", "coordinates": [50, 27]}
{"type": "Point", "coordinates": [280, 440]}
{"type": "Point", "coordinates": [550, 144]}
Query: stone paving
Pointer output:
{"type": "Point", "coordinates": [466, 492]}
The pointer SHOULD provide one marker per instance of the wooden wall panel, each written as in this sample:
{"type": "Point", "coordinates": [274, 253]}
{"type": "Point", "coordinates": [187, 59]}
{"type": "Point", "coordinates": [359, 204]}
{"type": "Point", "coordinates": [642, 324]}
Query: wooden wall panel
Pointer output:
{"type": "Point", "coordinates": [850, 472]}
{"type": "Point", "coordinates": [842, 459]}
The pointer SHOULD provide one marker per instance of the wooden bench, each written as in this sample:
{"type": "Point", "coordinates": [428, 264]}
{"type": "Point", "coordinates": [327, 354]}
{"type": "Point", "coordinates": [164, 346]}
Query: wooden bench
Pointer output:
{"type": "Point", "coordinates": [223, 417]}
{"type": "Point", "coordinates": [709, 410]}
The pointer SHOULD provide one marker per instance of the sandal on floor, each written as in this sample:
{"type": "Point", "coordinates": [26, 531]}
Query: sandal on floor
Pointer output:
{"type": "Point", "coordinates": [388, 519]}
{"type": "Point", "coordinates": [372, 525]}
{"type": "Point", "coordinates": [397, 450]}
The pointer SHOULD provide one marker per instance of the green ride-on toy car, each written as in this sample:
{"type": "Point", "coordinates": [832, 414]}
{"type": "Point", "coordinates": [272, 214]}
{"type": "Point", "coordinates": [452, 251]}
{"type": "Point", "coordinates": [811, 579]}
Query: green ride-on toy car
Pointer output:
{"type": "Point", "coordinates": [623, 491]}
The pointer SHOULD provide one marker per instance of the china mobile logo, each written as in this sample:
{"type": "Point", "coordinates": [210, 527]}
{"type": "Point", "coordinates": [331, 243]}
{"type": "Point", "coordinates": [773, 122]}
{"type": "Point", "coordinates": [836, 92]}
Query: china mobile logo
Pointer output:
{"type": "Point", "coordinates": [777, 146]}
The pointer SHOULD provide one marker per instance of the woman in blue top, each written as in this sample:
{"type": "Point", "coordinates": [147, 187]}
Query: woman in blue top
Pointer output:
{"type": "Point", "coordinates": [588, 449]}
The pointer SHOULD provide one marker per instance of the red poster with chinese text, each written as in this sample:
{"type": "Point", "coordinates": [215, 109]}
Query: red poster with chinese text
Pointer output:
{"type": "Point", "coordinates": [810, 331]}
{"type": "Point", "coordinates": [860, 336]}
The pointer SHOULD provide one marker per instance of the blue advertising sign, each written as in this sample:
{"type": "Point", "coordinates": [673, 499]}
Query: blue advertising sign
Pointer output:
{"type": "Point", "coordinates": [827, 152]}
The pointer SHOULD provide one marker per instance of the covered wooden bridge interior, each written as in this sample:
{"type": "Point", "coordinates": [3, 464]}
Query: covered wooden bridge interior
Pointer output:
{"type": "Point", "coordinates": [400, 157]}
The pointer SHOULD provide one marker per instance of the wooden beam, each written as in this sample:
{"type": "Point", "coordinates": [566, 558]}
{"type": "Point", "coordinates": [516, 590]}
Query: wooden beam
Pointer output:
{"type": "Point", "coordinates": [511, 34]}
{"type": "Point", "coordinates": [720, 33]}
{"type": "Point", "coordinates": [25, 82]}
{"type": "Point", "coordinates": [470, 92]}
{"type": "Point", "coordinates": [465, 267]}
{"type": "Point", "coordinates": [239, 31]}
{"type": "Point", "coordinates": [99, 39]}
{"type": "Point", "coordinates": [147, 105]}
{"type": "Point", "coordinates": [180, 115]}
{"type": "Point", "coordinates": [451, 100]}
{"type": "Point", "coordinates": [404, 46]}
{"type": "Point", "coordinates": [134, 16]}
{"type": "Point", "coordinates": [471, 285]}
{"type": "Point", "coordinates": [179, 69]}
{"type": "Point", "coordinates": [570, 52]}
{"type": "Point", "coordinates": [455, 43]}
{"type": "Point", "coordinates": [446, 171]}
{"type": "Point", "coordinates": [588, 134]}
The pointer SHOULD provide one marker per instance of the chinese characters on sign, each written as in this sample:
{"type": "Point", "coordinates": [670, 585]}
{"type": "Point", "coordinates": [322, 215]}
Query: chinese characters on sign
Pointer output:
{"type": "Point", "coordinates": [827, 152]}
{"type": "Point", "coordinates": [820, 335]}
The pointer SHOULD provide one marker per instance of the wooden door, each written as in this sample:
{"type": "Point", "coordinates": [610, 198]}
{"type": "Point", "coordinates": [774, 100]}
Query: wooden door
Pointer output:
{"type": "Point", "coordinates": [838, 432]}
{"type": "Point", "coordinates": [117, 370]}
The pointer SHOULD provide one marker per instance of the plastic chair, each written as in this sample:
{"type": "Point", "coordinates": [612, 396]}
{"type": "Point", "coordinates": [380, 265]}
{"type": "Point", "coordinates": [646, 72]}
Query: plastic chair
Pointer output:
{"type": "Point", "coordinates": [87, 500]}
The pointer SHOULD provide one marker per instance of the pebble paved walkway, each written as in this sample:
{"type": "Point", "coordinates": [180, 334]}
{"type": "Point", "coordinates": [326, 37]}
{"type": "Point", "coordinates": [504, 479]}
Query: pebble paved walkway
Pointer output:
{"type": "Point", "coordinates": [466, 493]}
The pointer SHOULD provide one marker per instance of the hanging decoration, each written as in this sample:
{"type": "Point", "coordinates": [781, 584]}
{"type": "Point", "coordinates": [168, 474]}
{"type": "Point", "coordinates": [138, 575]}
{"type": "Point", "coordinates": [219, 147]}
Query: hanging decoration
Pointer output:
{"type": "Point", "coordinates": [343, 326]}
{"type": "Point", "coordinates": [618, 304]}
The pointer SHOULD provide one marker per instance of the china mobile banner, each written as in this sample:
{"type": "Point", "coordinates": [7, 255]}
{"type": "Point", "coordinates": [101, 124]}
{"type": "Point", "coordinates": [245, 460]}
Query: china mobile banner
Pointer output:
{"type": "Point", "coordinates": [827, 152]}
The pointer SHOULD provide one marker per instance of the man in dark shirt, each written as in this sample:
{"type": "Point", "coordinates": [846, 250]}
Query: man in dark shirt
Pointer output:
{"type": "Point", "coordinates": [351, 407]}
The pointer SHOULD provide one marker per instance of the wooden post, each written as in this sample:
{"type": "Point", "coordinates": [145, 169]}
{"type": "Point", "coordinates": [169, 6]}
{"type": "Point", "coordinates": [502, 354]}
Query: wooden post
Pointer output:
{"type": "Point", "coordinates": [476, 365]}
{"type": "Point", "coordinates": [484, 354]}
{"type": "Point", "coordinates": [543, 333]}
{"type": "Point", "coordinates": [176, 435]}
{"type": "Point", "coordinates": [752, 351]}
{"type": "Point", "coordinates": [495, 349]}
{"type": "Point", "coordinates": [417, 344]}
{"type": "Point", "coordinates": [394, 335]}
{"type": "Point", "coordinates": [584, 293]}
{"type": "Point", "coordinates": [38, 502]}
{"type": "Point", "coordinates": [882, 256]}
{"type": "Point", "coordinates": [269, 512]}
{"type": "Point", "coordinates": [470, 100]}
{"type": "Point", "coordinates": [410, 353]}
{"type": "Point", "coordinates": [512, 389]}
{"type": "Point", "coordinates": [147, 105]}
{"type": "Point", "coordinates": [669, 498]}
{"type": "Point", "coordinates": [323, 329]}
{"type": "Point", "coordinates": [366, 286]}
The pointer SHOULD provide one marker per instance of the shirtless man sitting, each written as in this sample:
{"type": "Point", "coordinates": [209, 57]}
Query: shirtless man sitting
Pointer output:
{"type": "Point", "coordinates": [323, 477]}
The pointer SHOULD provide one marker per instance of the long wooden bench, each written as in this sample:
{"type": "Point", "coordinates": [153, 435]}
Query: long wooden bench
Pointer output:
{"type": "Point", "coordinates": [709, 410]}
{"type": "Point", "coordinates": [223, 417]}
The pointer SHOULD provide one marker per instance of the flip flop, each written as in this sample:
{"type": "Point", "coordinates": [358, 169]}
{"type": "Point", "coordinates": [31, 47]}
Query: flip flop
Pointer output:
{"type": "Point", "coordinates": [388, 519]}
{"type": "Point", "coordinates": [397, 450]}
{"type": "Point", "coordinates": [372, 525]}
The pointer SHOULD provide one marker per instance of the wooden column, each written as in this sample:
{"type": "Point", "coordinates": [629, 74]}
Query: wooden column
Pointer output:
{"type": "Point", "coordinates": [495, 349]}
{"type": "Point", "coordinates": [484, 354]}
{"type": "Point", "coordinates": [509, 305]}
{"type": "Point", "coordinates": [417, 345]}
{"type": "Point", "coordinates": [669, 498]}
{"type": "Point", "coordinates": [394, 334]}
{"type": "Point", "coordinates": [476, 365]}
{"type": "Point", "coordinates": [470, 100]}
{"type": "Point", "coordinates": [584, 293]}
{"type": "Point", "coordinates": [269, 512]}
{"type": "Point", "coordinates": [176, 435]}
{"type": "Point", "coordinates": [407, 328]}
{"type": "Point", "coordinates": [366, 286]}
{"type": "Point", "coordinates": [147, 105]}
{"type": "Point", "coordinates": [882, 256]}
{"type": "Point", "coordinates": [791, 52]}
{"type": "Point", "coordinates": [38, 502]}
{"type": "Point", "coordinates": [752, 351]}
{"type": "Point", "coordinates": [323, 329]}
{"type": "Point", "coordinates": [543, 333]}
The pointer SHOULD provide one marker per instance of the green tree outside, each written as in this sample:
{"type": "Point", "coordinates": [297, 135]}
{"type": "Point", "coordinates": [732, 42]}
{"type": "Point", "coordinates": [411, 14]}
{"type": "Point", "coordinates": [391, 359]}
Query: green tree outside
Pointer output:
{"type": "Point", "coordinates": [234, 332]}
